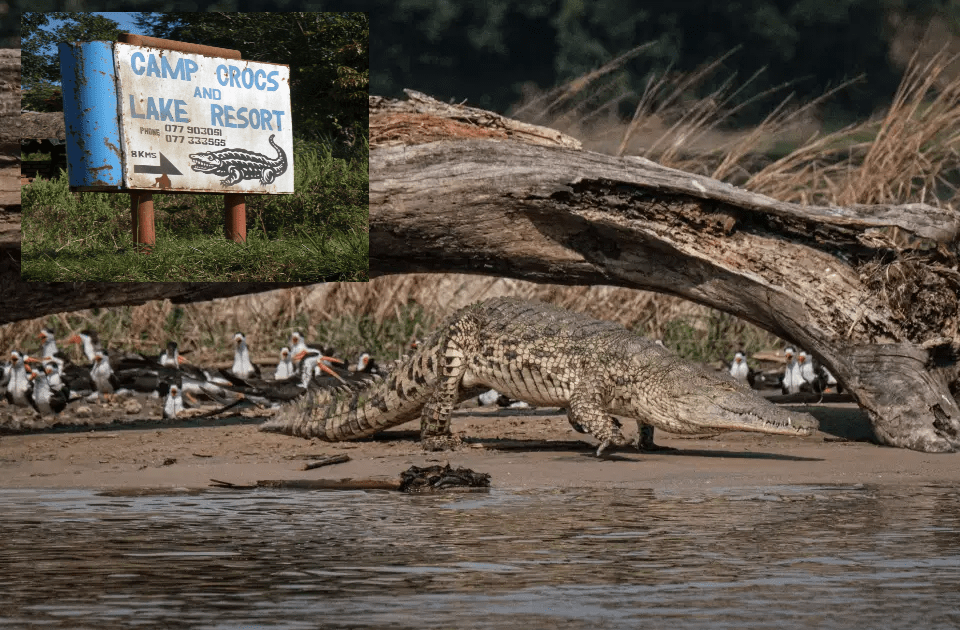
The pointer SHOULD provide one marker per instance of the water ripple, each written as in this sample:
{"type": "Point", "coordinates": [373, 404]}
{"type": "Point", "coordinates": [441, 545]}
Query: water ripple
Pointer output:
{"type": "Point", "coordinates": [825, 556]}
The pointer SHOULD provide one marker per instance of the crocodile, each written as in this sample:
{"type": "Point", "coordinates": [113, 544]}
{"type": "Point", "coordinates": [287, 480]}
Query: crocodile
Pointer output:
{"type": "Point", "coordinates": [240, 164]}
{"type": "Point", "coordinates": [546, 356]}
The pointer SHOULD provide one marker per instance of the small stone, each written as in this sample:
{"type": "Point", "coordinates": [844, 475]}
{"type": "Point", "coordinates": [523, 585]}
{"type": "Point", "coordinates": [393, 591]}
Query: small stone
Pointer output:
{"type": "Point", "coordinates": [132, 406]}
{"type": "Point", "coordinates": [82, 411]}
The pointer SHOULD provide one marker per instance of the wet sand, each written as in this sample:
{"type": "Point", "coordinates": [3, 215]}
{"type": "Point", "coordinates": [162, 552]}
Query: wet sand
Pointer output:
{"type": "Point", "coordinates": [519, 449]}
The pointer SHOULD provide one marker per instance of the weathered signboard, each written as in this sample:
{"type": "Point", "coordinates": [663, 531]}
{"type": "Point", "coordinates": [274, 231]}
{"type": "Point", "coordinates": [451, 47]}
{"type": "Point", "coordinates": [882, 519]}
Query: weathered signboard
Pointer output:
{"type": "Point", "coordinates": [191, 122]}
{"type": "Point", "coordinates": [145, 114]}
{"type": "Point", "coordinates": [146, 118]}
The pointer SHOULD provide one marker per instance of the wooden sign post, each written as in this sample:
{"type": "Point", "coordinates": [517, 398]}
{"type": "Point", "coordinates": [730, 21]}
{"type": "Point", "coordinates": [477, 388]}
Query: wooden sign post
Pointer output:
{"type": "Point", "coordinates": [146, 115]}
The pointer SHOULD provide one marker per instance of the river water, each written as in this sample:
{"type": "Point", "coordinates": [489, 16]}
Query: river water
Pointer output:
{"type": "Point", "coordinates": [783, 556]}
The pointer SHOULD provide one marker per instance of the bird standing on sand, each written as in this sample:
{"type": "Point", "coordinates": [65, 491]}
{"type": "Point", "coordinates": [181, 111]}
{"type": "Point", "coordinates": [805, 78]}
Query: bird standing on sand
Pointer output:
{"type": "Point", "coordinates": [242, 366]}
{"type": "Point", "coordinates": [5, 370]}
{"type": "Point", "coordinates": [285, 366]}
{"type": "Point", "coordinates": [314, 362]}
{"type": "Point", "coordinates": [18, 386]}
{"type": "Point", "coordinates": [296, 343]}
{"type": "Point", "coordinates": [46, 400]}
{"type": "Point", "coordinates": [832, 381]}
{"type": "Point", "coordinates": [171, 356]}
{"type": "Point", "coordinates": [102, 374]}
{"type": "Point", "coordinates": [812, 375]}
{"type": "Point", "coordinates": [55, 377]}
{"type": "Point", "coordinates": [173, 403]}
{"type": "Point", "coordinates": [739, 369]}
{"type": "Point", "coordinates": [792, 379]}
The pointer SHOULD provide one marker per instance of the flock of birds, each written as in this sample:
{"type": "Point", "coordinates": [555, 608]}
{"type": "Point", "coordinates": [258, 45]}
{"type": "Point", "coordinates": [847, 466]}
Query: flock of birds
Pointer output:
{"type": "Point", "coordinates": [49, 381]}
{"type": "Point", "coordinates": [802, 373]}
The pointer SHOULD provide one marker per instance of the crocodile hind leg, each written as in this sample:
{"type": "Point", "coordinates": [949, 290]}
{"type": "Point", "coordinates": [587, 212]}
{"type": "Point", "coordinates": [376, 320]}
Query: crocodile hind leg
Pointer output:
{"type": "Point", "coordinates": [586, 413]}
{"type": "Point", "coordinates": [645, 439]}
{"type": "Point", "coordinates": [435, 432]}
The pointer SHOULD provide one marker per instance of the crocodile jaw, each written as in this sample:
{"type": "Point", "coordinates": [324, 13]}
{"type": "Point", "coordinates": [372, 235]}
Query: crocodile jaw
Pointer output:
{"type": "Point", "coordinates": [777, 422]}
{"type": "Point", "coordinates": [703, 404]}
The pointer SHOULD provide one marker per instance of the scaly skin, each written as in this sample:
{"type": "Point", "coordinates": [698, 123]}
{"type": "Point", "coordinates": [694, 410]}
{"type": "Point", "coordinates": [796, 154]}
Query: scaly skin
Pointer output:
{"type": "Point", "coordinates": [549, 357]}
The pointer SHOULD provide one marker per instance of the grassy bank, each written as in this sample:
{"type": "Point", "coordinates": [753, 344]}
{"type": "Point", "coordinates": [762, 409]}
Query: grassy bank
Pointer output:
{"type": "Point", "coordinates": [319, 233]}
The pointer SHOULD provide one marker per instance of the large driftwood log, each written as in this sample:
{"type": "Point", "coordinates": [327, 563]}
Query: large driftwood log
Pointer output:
{"type": "Point", "coordinates": [23, 300]}
{"type": "Point", "coordinates": [872, 291]}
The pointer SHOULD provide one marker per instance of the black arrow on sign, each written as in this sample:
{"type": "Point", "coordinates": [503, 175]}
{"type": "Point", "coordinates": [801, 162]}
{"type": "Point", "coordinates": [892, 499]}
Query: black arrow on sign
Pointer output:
{"type": "Point", "coordinates": [166, 167]}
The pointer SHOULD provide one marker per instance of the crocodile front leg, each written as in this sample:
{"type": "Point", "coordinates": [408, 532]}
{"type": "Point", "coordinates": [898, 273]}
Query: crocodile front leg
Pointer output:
{"type": "Point", "coordinates": [586, 412]}
{"type": "Point", "coordinates": [435, 432]}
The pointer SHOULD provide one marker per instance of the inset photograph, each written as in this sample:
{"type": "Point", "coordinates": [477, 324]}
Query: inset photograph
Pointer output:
{"type": "Point", "coordinates": [194, 147]}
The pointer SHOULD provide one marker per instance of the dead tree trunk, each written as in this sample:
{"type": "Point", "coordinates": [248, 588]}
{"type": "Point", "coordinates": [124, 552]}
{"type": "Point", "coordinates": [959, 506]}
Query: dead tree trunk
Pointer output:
{"type": "Point", "coordinates": [23, 300]}
{"type": "Point", "coordinates": [872, 291]}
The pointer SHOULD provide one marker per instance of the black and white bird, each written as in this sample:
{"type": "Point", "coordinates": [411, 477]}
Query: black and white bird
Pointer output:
{"type": "Point", "coordinates": [173, 404]}
{"type": "Point", "coordinates": [813, 378]}
{"type": "Point", "coordinates": [18, 385]}
{"type": "Point", "coordinates": [89, 343]}
{"type": "Point", "coordinates": [242, 366]}
{"type": "Point", "coordinates": [367, 365]}
{"type": "Point", "coordinates": [6, 368]}
{"type": "Point", "coordinates": [47, 400]}
{"type": "Point", "coordinates": [832, 381]}
{"type": "Point", "coordinates": [296, 343]}
{"type": "Point", "coordinates": [313, 363]}
{"type": "Point", "coordinates": [285, 367]}
{"type": "Point", "coordinates": [55, 377]}
{"type": "Point", "coordinates": [68, 375]}
{"type": "Point", "coordinates": [488, 398]}
{"type": "Point", "coordinates": [49, 348]}
{"type": "Point", "coordinates": [792, 380]}
{"type": "Point", "coordinates": [286, 389]}
{"type": "Point", "coordinates": [102, 375]}
{"type": "Point", "coordinates": [741, 371]}
{"type": "Point", "coordinates": [492, 397]}
{"type": "Point", "coordinates": [171, 356]}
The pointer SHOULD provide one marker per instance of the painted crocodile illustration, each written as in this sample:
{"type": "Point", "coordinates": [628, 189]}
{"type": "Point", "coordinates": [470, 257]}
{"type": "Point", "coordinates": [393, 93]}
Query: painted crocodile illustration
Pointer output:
{"type": "Point", "coordinates": [546, 356]}
{"type": "Point", "coordinates": [240, 164]}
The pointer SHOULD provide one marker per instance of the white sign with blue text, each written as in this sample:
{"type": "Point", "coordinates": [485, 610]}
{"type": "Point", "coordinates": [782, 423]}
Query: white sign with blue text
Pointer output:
{"type": "Point", "coordinates": [197, 123]}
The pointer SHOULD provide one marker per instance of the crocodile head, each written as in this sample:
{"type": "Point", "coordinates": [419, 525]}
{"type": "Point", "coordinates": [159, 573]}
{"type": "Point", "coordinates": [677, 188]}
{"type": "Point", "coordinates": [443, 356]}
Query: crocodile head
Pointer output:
{"type": "Point", "coordinates": [720, 403]}
{"type": "Point", "coordinates": [206, 162]}
{"type": "Point", "coordinates": [683, 398]}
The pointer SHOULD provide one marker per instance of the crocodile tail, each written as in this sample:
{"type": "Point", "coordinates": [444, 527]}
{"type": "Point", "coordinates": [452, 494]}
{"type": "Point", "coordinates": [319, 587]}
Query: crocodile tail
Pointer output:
{"type": "Point", "coordinates": [281, 159]}
{"type": "Point", "coordinates": [352, 412]}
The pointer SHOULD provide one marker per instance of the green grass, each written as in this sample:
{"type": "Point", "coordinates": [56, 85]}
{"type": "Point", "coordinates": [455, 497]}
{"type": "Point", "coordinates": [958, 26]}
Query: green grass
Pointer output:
{"type": "Point", "coordinates": [319, 233]}
{"type": "Point", "coordinates": [341, 257]}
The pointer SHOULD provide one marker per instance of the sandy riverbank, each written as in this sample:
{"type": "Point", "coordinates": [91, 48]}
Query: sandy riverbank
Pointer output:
{"type": "Point", "coordinates": [537, 449]}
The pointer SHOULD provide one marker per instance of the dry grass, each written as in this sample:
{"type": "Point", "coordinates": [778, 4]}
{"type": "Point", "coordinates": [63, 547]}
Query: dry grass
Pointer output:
{"type": "Point", "coordinates": [379, 316]}
{"type": "Point", "coordinates": [904, 154]}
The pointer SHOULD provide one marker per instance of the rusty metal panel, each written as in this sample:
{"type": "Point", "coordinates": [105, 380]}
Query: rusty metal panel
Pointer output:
{"type": "Point", "coordinates": [191, 122]}
{"type": "Point", "coordinates": [90, 115]}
